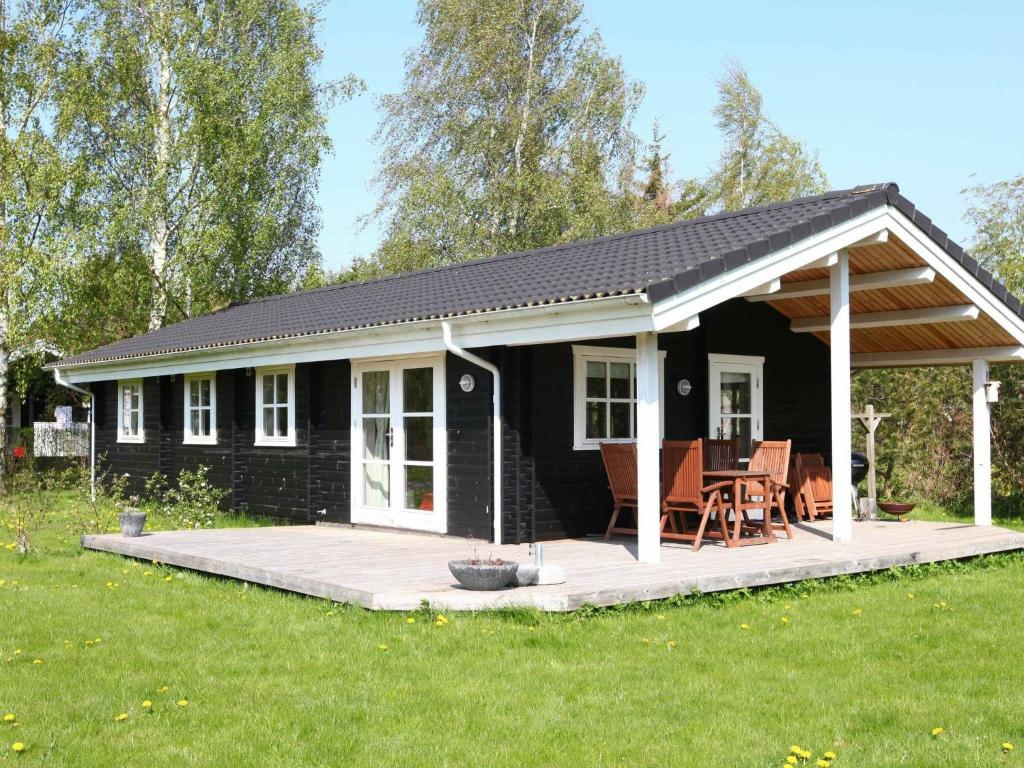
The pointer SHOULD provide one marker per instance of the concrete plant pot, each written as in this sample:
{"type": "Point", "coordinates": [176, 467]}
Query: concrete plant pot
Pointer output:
{"type": "Point", "coordinates": [132, 521]}
{"type": "Point", "coordinates": [482, 576]}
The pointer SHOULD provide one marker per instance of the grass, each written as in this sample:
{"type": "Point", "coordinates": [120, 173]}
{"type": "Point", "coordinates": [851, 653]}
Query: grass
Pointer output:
{"type": "Point", "coordinates": [861, 667]}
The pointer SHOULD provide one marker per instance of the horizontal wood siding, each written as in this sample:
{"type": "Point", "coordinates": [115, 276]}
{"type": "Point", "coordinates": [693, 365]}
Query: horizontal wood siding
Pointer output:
{"type": "Point", "coordinates": [469, 420]}
{"type": "Point", "coordinates": [175, 456]}
{"type": "Point", "coordinates": [138, 460]}
{"type": "Point", "coordinates": [330, 444]}
{"type": "Point", "coordinates": [272, 480]}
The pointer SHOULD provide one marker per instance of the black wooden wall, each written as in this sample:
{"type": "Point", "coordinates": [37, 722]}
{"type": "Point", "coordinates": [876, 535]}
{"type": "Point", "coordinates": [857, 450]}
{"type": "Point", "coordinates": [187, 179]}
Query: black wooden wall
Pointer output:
{"type": "Point", "coordinates": [549, 490]}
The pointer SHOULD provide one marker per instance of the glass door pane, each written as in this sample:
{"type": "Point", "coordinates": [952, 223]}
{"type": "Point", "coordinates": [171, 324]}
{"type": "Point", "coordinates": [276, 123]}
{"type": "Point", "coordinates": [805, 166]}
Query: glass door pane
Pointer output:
{"type": "Point", "coordinates": [735, 404]}
{"type": "Point", "coordinates": [418, 438]}
{"type": "Point", "coordinates": [377, 437]}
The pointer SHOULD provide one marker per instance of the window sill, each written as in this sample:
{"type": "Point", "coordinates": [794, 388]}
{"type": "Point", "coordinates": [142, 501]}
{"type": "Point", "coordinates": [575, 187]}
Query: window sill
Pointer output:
{"type": "Point", "coordinates": [190, 440]}
{"type": "Point", "coordinates": [597, 445]}
{"type": "Point", "coordinates": [131, 440]}
{"type": "Point", "coordinates": [280, 442]}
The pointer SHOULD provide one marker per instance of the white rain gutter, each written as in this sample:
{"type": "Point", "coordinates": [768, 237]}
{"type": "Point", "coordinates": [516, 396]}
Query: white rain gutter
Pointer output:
{"type": "Point", "coordinates": [455, 349]}
{"type": "Point", "coordinates": [92, 427]}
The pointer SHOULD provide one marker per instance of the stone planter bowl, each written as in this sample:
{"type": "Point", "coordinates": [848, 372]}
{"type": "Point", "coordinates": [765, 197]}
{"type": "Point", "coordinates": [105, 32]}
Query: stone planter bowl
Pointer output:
{"type": "Point", "coordinates": [132, 522]}
{"type": "Point", "coordinates": [483, 576]}
{"type": "Point", "coordinates": [901, 510]}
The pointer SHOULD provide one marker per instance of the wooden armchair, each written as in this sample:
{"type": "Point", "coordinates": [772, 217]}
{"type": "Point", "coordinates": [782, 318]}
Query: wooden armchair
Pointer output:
{"type": "Point", "coordinates": [721, 454]}
{"type": "Point", "coordinates": [620, 465]}
{"type": "Point", "coordinates": [682, 472]}
{"type": "Point", "coordinates": [773, 456]}
{"type": "Point", "coordinates": [812, 497]}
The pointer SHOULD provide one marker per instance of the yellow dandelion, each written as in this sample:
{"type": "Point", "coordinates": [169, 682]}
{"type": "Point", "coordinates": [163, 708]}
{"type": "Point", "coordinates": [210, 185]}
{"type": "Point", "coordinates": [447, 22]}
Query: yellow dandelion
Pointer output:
{"type": "Point", "coordinates": [122, 717]}
{"type": "Point", "coordinates": [147, 704]}
{"type": "Point", "coordinates": [938, 731]}
{"type": "Point", "coordinates": [1007, 746]}
{"type": "Point", "coordinates": [791, 759]}
{"type": "Point", "coordinates": [744, 626]}
{"type": "Point", "coordinates": [806, 754]}
{"type": "Point", "coordinates": [785, 619]}
{"type": "Point", "coordinates": [910, 595]}
{"type": "Point", "coordinates": [645, 640]}
{"type": "Point", "coordinates": [18, 746]}
{"type": "Point", "coordinates": [182, 703]}
{"type": "Point", "coordinates": [410, 620]}
{"type": "Point", "coordinates": [17, 651]}
{"type": "Point", "coordinates": [441, 620]}
{"type": "Point", "coordinates": [671, 643]}
{"type": "Point", "coordinates": [660, 617]}
{"type": "Point", "coordinates": [37, 662]}
{"type": "Point", "coordinates": [10, 717]}
{"type": "Point", "coordinates": [168, 579]}
{"type": "Point", "coordinates": [796, 750]}
{"type": "Point", "coordinates": [531, 628]}
{"type": "Point", "coordinates": [162, 689]}
{"type": "Point", "coordinates": [857, 611]}
{"type": "Point", "coordinates": [147, 573]}
{"type": "Point", "coordinates": [382, 647]}
{"type": "Point", "coordinates": [822, 764]}
{"type": "Point", "coordinates": [830, 755]}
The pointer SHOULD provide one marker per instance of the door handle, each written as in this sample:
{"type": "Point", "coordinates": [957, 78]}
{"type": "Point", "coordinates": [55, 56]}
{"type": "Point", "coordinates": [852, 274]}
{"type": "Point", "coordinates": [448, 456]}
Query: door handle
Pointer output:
{"type": "Point", "coordinates": [391, 437]}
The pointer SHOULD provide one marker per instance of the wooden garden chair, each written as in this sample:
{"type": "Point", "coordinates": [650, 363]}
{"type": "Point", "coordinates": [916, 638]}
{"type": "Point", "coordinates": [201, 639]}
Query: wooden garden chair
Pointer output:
{"type": "Point", "coordinates": [620, 466]}
{"type": "Point", "coordinates": [721, 454]}
{"type": "Point", "coordinates": [813, 495]}
{"type": "Point", "coordinates": [773, 456]}
{"type": "Point", "coordinates": [682, 472]}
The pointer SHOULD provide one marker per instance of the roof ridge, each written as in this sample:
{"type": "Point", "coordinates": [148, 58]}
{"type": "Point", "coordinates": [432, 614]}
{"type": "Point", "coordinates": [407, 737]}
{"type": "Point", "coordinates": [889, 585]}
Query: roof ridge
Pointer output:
{"type": "Point", "coordinates": [721, 216]}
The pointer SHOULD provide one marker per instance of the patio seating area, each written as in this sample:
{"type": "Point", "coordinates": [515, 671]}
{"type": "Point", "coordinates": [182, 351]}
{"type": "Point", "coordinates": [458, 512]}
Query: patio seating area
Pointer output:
{"type": "Point", "coordinates": [397, 571]}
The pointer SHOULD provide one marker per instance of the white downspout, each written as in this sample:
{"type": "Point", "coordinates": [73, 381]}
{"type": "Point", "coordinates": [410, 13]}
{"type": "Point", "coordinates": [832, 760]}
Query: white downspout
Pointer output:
{"type": "Point", "coordinates": [458, 351]}
{"type": "Point", "coordinates": [92, 427]}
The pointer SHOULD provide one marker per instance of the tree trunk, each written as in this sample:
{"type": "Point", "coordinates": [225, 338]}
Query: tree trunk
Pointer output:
{"type": "Point", "coordinates": [158, 224]}
{"type": "Point", "coordinates": [524, 121]}
{"type": "Point", "coordinates": [4, 366]}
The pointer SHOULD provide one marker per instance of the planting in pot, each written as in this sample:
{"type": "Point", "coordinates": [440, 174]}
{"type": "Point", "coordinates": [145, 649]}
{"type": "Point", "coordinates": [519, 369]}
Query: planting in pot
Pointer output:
{"type": "Point", "coordinates": [898, 509]}
{"type": "Point", "coordinates": [483, 575]}
{"type": "Point", "coordinates": [132, 521]}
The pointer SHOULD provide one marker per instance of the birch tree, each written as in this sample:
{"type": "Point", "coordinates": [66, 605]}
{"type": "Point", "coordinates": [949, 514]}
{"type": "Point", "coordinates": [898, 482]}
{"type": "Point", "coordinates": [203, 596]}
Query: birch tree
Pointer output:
{"type": "Point", "coordinates": [759, 164]}
{"type": "Point", "coordinates": [203, 126]}
{"type": "Point", "coordinates": [33, 35]}
{"type": "Point", "coordinates": [512, 130]}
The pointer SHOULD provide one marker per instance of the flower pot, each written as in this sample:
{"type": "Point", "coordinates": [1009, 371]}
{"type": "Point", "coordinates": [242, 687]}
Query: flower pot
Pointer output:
{"type": "Point", "coordinates": [483, 576]}
{"type": "Point", "coordinates": [898, 509]}
{"type": "Point", "coordinates": [132, 522]}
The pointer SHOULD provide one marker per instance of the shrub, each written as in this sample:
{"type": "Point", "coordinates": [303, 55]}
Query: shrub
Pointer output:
{"type": "Point", "coordinates": [193, 503]}
{"type": "Point", "coordinates": [27, 509]}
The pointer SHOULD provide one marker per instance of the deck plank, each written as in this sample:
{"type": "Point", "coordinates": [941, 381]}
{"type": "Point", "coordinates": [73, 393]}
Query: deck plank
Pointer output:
{"type": "Point", "coordinates": [387, 570]}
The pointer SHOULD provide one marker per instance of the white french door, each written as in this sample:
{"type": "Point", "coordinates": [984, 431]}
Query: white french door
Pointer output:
{"type": "Point", "coordinates": [736, 404]}
{"type": "Point", "coordinates": [399, 444]}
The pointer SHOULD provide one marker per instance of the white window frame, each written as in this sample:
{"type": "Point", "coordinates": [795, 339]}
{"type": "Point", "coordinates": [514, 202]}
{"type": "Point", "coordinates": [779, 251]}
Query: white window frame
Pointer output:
{"type": "Point", "coordinates": [140, 437]}
{"type": "Point", "coordinates": [189, 437]}
{"type": "Point", "coordinates": [580, 356]}
{"type": "Point", "coordinates": [285, 441]}
{"type": "Point", "coordinates": [717, 364]}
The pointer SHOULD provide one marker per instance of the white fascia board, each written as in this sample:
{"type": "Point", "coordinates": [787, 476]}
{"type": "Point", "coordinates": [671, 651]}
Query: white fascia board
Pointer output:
{"type": "Point", "coordinates": [589, 318]}
{"type": "Point", "coordinates": [956, 274]}
{"type": "Point", "coordinates": [745, 278]}
{"type": "Point", "coordinates": [927, 357]}
{"type": "Point", "coordinates": [869, 281]}
{"type": "Point", "coordinates": [923, 316]}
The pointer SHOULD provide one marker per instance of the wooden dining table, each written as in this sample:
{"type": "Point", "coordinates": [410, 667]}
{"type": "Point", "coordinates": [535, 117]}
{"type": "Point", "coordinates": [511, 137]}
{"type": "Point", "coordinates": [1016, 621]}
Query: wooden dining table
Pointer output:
{"type": "Point", "coordinates": [742, 478]}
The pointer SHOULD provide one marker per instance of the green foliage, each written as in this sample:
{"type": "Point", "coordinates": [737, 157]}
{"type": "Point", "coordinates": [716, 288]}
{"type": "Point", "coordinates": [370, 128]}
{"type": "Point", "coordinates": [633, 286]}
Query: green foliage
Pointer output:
{"type": "Point", "coordinates": [759, 164]}
{"type": "Point", "coordinates": [511, 132]}
{"type": "Point", "coordinates": [27, 509]}
{"type": "Point", "coordinates": [198, 130]}
{"type": "Point", "coordinates": [192, 502]}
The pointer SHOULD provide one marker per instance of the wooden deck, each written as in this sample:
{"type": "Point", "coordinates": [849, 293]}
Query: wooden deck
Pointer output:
{"type": "Point", "coordinates": [384, 570]}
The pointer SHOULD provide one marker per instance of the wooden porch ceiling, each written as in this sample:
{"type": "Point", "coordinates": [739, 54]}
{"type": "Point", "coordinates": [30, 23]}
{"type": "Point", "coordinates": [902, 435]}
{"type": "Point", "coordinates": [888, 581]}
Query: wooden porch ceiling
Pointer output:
{"type": "Point", "coordinates": [885, 257]}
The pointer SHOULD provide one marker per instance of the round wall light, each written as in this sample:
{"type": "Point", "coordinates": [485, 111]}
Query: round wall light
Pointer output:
{"type": "Point", "coordinates": [684, 387]}
{"type": "Point", "coordinates": [467, 382]}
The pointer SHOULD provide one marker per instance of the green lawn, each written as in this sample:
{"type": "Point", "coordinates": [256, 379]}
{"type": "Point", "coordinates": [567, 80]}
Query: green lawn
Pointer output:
{"type": "Point", "coordinates": [866, 668]}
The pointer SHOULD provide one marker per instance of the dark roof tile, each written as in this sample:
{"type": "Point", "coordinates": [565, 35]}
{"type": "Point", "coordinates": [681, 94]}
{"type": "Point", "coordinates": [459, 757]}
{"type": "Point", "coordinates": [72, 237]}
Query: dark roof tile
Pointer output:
{"type": "Point", "coordinates": [660, 261]}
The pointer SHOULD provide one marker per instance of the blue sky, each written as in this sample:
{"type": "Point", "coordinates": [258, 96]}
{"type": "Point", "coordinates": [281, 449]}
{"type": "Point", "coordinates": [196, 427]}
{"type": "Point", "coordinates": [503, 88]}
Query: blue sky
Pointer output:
{"type": "Point", "coordinates": [930, 95]}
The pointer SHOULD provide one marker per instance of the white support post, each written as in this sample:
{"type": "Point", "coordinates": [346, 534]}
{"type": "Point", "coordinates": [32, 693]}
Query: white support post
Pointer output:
{"type": "Point", "coordinates": [982, 447]}
{"type": "Point", "coordinates": [648, 458]}
{"type": "Point", "coordinates": [842, 431]}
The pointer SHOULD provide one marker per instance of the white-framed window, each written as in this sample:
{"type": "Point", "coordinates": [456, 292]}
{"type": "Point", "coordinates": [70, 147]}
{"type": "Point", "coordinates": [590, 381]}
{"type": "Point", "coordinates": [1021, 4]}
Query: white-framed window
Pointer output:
{"type": "Point", "coordinates": [129, 412]}
{"type": "Point", "coordinates": [604, 395]}
{"type": "Point", "coordinates": [200, 409]}
{"type": "Point", "coordinates": [275, 405]}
